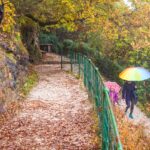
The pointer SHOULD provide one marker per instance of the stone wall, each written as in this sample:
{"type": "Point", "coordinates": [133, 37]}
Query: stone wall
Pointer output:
{"type": "Point", "coordinates": [14, 62]}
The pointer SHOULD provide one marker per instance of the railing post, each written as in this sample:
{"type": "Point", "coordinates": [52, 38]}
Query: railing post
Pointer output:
{"type": "Point", "coordinates": [71, 60]}
{"type": "Point", "coordinates": [79, 62]}
{"type": "Point", "coordinates": [61, 59]}
{"type": "Point", "coordinates": [84, 68]}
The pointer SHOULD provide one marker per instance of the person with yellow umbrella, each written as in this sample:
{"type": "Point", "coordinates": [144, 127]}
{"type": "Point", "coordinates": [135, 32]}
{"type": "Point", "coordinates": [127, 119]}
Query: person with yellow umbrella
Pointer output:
{"type": "Point", "coordinates": [132, 74]}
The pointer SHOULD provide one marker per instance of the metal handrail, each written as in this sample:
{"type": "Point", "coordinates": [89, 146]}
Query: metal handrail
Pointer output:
{"type": "Point", "coordinates": [93, 82]}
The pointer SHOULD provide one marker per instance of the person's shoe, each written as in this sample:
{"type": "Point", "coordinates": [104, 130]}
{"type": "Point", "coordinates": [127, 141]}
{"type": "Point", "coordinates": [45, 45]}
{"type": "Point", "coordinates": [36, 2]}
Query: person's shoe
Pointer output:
{"type": "Point", "coordinates": [131, 116]}
{"type": "Point", "coordinates": [125, 113]}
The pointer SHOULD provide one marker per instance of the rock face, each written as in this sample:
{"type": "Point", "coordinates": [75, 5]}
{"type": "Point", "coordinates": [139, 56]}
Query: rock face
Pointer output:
{"type": "Point", "coordinates": [13, 67]}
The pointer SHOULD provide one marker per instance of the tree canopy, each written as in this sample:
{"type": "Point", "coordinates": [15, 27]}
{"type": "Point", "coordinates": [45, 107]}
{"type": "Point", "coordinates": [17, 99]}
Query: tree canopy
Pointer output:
{"type": "Point", "coordinates": [114, 28]}
{"type": "Point", "coordinates": [70, 14]}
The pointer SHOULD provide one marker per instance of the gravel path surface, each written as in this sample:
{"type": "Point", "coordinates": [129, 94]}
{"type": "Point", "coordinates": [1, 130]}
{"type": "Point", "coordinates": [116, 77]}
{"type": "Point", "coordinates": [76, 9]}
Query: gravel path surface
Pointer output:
{"type": "Point", "coordinates": [56, 115]}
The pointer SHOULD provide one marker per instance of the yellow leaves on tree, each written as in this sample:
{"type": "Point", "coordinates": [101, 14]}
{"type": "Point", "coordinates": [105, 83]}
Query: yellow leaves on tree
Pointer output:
{"type": "Point", "coordinates": [140, 22]}
{"type": "Point", "coordinates": [8, 20]}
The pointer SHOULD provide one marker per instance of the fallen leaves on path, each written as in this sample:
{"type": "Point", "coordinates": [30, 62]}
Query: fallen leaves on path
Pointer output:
{"type": "Point", "coordinates": [57, 115]}
{"type": "Point", "coordinates": [10, 111]}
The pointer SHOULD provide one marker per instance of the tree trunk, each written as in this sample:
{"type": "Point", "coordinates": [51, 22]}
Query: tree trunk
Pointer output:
{"type": "Point", "coordinates": [30, 38]}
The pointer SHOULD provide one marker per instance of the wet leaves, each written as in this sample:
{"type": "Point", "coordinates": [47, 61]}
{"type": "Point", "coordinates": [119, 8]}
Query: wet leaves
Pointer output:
{"type": "Point", "coordinates": [56, 115]}
{"type": "Point", "coordinates": [132, 135]}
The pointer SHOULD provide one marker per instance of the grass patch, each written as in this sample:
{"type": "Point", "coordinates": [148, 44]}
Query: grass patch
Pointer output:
{"type": "Point", "coordinates": [68, 72]}
{"type": "Point", "coordinates": [29, 83]}
{"type": "Point", "coordinates": [77, 76]}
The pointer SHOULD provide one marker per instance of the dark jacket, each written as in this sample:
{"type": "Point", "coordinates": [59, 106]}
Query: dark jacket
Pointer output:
{"type": "Point", "coordinates": [129, 92]}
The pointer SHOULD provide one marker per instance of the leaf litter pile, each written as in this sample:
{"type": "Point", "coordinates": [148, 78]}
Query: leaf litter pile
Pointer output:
{"type": "Point", "coordinates": [132, 135]}
{"type": "Point", "coordinates": [56, 115]}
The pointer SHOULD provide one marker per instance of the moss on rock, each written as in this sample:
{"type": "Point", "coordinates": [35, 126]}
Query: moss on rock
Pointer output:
{"type": "Point", "coordinates": [14, 62]}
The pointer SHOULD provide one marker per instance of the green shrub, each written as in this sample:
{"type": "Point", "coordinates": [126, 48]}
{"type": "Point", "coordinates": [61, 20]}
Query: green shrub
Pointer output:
{"type": "Point", "coordinates": [87, 50]}
{"type": "Point", "coordinates": [108, 68]}
{"type": "Point", "coordinates": [67, 43]}
{"type": "Point", "coordinates": [29, 83]}
{"type": "Point", "coordinates": [48, 38]}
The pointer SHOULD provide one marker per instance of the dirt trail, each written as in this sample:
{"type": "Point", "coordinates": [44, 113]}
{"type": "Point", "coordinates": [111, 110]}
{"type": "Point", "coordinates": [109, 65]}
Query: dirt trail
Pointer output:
{"type": "Point", "coordinates": [56, 115]}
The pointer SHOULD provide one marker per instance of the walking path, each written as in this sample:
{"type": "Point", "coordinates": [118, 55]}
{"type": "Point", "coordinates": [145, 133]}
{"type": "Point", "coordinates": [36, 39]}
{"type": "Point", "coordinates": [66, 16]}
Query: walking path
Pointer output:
{"type": "Point", "coordinates": [139, 117]}
{"type": "Point", "coordinates": [56, 115]}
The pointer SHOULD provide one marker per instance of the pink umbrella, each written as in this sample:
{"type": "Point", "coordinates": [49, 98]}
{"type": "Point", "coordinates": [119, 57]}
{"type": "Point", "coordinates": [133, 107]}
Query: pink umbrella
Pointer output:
{"type": "Point", "coordinates": [112, 86]}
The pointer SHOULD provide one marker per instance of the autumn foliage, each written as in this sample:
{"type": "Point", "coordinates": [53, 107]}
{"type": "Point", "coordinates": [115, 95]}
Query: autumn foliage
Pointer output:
{"type": "Point", "coordinates": [8, 21]}
{"type": "Point", "coordinates": [132, 136]}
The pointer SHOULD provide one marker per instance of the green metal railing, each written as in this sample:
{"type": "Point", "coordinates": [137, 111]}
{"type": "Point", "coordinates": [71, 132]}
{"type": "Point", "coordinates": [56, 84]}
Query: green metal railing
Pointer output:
{"type": "Point", "coordinates": [84, 67]}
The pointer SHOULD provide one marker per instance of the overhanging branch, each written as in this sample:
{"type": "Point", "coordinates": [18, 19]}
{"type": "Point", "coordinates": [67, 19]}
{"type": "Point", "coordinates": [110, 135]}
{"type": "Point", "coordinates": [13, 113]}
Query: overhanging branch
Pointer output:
{"type": "Point", "coordinates": [41, 23]}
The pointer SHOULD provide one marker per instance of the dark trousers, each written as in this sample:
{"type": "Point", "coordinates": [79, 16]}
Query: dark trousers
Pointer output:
{"type": "Point", "coordinates": [128, 105]}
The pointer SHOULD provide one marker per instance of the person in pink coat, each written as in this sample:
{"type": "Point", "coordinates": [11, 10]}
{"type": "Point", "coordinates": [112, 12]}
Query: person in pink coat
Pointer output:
{"type": "Point", "coordinates": [114, 96]}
